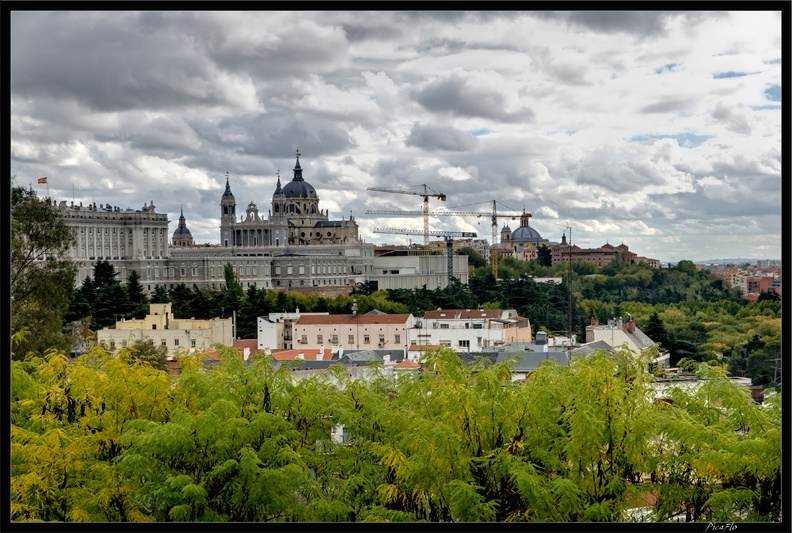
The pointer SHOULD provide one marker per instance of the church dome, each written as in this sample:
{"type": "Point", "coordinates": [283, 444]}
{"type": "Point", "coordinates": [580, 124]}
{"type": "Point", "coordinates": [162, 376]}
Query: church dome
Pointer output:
{"type": "Point", "coordinates": [526, 234]}
{"type": "Point", "coordinates": [298, 187]}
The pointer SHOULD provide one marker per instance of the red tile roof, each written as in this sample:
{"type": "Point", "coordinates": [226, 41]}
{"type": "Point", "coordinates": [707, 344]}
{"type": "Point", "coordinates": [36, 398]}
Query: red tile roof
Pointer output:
{"type": "Point", "coordinates": [423, 347]}
{"type": "Point", "coordinates": [309, 354]}
{"type": "Point", "coordinates": [407, 364]}
{"type": "Point", "coordinates": [310, 320]}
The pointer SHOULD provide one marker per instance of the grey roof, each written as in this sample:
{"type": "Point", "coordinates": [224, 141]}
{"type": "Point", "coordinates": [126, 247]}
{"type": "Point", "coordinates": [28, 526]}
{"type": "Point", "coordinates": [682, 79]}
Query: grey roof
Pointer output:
{"type": "Point", "coordinates": [470, 358]}
{"type": "Point", "coordinates": [328, 224]}
{"type": "Point", "coordinates": [227, 192]}
{"type": "Point", "coordinates": [526, 234]}
{"type": "Point", "coordinates": [529, 361]}
{"type": "Point", "coordinates": [640, 338]}
{"type": "Point", "coordinates": [588, 348]}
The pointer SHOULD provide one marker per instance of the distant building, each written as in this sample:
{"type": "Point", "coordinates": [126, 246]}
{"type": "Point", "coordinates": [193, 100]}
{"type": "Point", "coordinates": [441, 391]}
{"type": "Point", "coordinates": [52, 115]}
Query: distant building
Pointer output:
{"type": "Point", "coordinates": [276, 331]}
{"type": "Point", "coordinates": [295, 247]}
{"type": "Point", "coordinates": [182, 235]}
{"type": "Point", "coordinates": [179, 335]}
{"type": "Point", "coordinates": [618, 332]}
{"type": "Point", "coordinates": [522, 243]}
{"type": "Point", "coordinates": [408, 269]}
{"type": "Point", "coordinates": [469, 330]}
{"type": "Point", "coordinates": [601, 256]}
{"type": "Point", "coordinates": [354, 332]}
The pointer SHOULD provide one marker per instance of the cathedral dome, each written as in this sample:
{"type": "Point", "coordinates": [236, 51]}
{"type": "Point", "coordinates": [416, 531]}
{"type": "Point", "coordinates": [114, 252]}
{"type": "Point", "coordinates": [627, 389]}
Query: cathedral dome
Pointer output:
{"type": "Point", "coordinates": [298, 187]}
{"type": "Point", "coordinates": [526, 234]}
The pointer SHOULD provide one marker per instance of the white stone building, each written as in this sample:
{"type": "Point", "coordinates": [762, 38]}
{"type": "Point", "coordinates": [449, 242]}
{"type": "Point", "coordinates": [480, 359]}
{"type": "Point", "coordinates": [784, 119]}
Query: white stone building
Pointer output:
{"type": "Point", "coordinates": [295, 247]}
{"type": "Point", "coordinates": [470, 330]}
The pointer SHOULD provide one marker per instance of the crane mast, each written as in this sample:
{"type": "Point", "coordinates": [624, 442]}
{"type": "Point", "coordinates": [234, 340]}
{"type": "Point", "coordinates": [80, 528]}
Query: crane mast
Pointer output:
{"type": "Point", "coordinates": [425, 211]}
{"type": "Point", "coordinates": [447, 235]}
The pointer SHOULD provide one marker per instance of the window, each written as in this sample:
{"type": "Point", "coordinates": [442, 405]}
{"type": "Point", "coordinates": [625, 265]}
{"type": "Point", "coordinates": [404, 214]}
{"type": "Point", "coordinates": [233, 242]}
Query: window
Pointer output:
{"type": "Point", "coordinates": [194, 271]}
{"type": "Point", "coordinates": [366, 339]}
{"type": "Point", "coordinates": [319, 339]}
{"type": "Point", "coordinates": [382, 339]}
{"type": "Point", "coordinates": [304, 339]}
{"type": "Point", "coordinates": [464, 344]}
{"type": "Point", "coordinates": [175, 342]}
{"type": "Point", "coordinates": [163, 342]}
{"type": "Point", "coordinates": [334, 339]}
{"type": "Point", "coordinates": [443, 326]}
{"type": "Point", "coordinates": [478, 325]}
{"type": "Point", "coordinates": [444, 343]}
{"type": "Point", "coordinates": [397, 338]}
{"type": "Point", "coordinates": [192, 343]}
{"type": "Point", "coordinates": [112, 345]}
{"type": "Point", "coordinates": [351, 339]}
{"type": "Point", "coordinates": [182, 271]}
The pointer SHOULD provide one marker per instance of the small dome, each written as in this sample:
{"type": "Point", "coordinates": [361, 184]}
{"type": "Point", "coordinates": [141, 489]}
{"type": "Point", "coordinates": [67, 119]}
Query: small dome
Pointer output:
{"type": "Point", "coordinates": [181, 231]}
{"type": "Point", "coordinates": [526, 234]}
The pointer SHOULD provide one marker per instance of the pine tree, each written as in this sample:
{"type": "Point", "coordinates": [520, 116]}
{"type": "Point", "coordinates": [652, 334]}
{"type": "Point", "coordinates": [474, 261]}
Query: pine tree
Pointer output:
{"type": "Point", "coordinates": [138, 299]}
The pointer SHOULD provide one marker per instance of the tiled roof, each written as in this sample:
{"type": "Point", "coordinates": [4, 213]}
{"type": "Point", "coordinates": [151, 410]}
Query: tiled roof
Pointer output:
{"type": "Point", "coordinates": [309, 354]}
{"type": "Point", "coordinates": [423, 347]}
{"type": "Point", "coordinates": [407, 364]}
{"type": "Point", "coordinates": [321, 320]}
{"type": "Point", "coordinates": [252, 344]}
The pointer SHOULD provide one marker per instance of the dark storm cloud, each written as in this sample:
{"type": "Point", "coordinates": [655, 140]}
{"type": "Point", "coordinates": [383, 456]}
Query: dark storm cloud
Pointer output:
{"type": "Point", "coordinates": [433, 138]}
{"type": "Point", "coordinates": [113, 64]}
{"type": "Point", "coordinates": [455, 94]}
{"type": "Point", "coordinates": [638, 23]}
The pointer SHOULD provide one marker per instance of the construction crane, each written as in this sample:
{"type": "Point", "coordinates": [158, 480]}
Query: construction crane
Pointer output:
{"type": "Point", "coordinates": [447, 235]}
{"type": "Point", "coordinates": [425, 212]}
{"type": "Point", "coordinates": [494, 215]}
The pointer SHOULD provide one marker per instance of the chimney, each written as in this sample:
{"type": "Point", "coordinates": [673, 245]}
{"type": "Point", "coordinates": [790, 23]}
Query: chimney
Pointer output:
{"type": "Point", "coordinates": [631, 326]}
{"type": "Point", "coordinates": [320, 355]}
{"type": "Point", "coordinates": [386, 359]}
{"type": "Point", "coordinates": [300, 356]}
{"type": "Point", "coordinates": [594, 321]}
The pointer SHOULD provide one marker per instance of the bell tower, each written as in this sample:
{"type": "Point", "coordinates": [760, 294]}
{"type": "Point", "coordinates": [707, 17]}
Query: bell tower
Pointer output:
{"type": "Point", "coordinates": [227, 216]}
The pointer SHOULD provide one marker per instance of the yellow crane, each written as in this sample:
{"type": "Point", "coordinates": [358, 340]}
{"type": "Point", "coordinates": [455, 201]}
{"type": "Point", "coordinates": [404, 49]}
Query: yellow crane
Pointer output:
{"type": "Point", "coordinates": [425, 194]}
{"type": "Point", "coordinates": [494, 217]}
{"type": "Point", "coordinates": [447, 235]}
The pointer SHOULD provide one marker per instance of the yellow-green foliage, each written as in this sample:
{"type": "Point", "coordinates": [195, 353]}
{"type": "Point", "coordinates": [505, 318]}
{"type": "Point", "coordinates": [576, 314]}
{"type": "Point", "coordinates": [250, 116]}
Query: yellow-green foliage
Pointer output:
{"type": "Point", "coordinates": [114, 439]}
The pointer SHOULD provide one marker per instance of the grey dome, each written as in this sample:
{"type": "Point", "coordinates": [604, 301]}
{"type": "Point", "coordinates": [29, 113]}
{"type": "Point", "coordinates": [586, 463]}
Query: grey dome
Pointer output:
{"type": "Point", "coordinates": [526, 234]}
{"type": "Point", "coordinates": [181, 230]}
{"type": "Point", "coordinates": [299, 189]}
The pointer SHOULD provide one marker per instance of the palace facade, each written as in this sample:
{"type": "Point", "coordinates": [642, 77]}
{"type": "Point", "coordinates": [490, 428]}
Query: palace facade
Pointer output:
{"type": "Point", "coordinates": [295, 247]}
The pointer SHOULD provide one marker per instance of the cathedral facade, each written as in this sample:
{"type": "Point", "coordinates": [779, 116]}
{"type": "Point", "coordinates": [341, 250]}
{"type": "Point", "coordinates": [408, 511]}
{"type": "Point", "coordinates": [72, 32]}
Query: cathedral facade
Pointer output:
{"type": "Point", "coordinates": [295, 247]}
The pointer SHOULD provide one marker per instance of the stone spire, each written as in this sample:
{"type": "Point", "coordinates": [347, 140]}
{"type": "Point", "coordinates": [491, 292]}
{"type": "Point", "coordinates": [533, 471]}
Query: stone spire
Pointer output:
{"type": "Point", "coordinates": [298, 169]}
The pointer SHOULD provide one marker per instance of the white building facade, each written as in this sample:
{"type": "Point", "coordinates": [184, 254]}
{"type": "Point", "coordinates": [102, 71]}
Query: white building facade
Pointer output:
{"type": "Point", "coordinates": [470, 330]}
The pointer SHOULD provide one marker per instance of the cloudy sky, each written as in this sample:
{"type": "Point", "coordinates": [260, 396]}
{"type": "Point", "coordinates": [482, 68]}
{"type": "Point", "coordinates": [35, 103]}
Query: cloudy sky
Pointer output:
{"type": "Point", "coordinates": [658, 130]}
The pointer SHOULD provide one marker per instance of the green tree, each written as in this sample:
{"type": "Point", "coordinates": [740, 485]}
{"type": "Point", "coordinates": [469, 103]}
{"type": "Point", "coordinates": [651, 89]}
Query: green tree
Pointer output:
{"type": "Point", "coordinates": [42, 276]}
{"type": "Point", "coordinates": [160, 295]}
{"type": "Point", "coordinates": [138, 299]}
{"type": "Point", "coordinates": [544, 255]}
{"type": "Point", "coordinates": [475, 259]}
{"type": "Point", "coordinates": [231, 290]}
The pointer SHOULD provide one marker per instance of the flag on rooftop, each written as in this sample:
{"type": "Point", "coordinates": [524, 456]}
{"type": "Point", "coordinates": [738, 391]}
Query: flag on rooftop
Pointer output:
{"type": "Point", "coordinates": [43, 180]}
